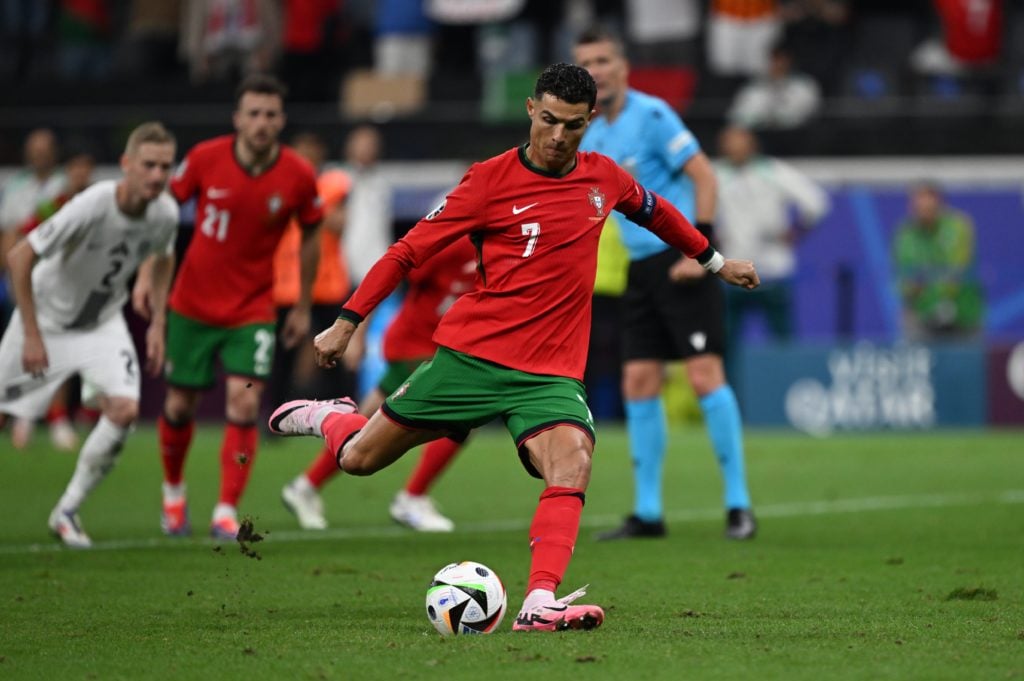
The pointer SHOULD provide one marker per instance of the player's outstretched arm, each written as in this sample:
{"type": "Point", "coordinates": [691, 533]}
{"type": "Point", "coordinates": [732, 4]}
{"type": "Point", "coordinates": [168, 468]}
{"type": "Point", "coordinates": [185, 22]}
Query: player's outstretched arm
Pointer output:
{"type": "Point", "coordinates": [20, 260]}
{"type": "Point", "coordinates": [143, 288]}
{"type": "Point", "coordinates": [161, 272]}
{"type": "Point", "coordinates": [296, 323]}
{"type": "Point", "coordinates": [739, 273]}
{"type": "Point", "coordinates": [330, 344]}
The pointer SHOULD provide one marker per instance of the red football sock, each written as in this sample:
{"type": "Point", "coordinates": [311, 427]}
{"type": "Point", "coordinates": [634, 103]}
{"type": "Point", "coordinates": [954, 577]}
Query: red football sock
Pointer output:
{"type": "Point", "coordinates": [338, 428]}
{"type": "Point", "coordinates": [323, 468]}
{"type": "Point", "coordinates": [435, 458]}
{"type": "Point", "coordinates": [88, 414]}
{"type": "Point", "coordinates": [553, 536]}
{"type": "Point", "coordinates": [174, 444]}
{"type": "Point", "coordinates": [236, 456]}
{"type": "Point", "coordinates": [58, 411]}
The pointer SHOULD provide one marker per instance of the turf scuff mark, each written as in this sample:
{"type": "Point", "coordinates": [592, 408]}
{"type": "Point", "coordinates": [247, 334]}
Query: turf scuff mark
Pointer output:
{"type": "Point", "coordinates": [972, 593]}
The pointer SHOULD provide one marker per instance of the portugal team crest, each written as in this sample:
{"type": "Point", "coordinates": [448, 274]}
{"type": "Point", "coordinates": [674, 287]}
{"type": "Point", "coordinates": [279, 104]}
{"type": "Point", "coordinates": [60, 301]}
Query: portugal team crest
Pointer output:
{"type": "Point", "coordinates": [274, 203]}
{"type": "Point", "coordinates": [596, 199]}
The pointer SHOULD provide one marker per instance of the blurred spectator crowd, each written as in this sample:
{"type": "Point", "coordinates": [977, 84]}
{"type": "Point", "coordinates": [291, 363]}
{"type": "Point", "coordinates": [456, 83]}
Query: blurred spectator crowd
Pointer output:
{"type": "Point", "coordinates": [786, 52]}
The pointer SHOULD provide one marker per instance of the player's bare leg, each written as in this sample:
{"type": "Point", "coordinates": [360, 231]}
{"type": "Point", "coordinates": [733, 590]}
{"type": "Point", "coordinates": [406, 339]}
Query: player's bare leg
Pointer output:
{"type": "Point", "coordinates": [301, 495]}
{"type": "Point", "coordinates": [238, 450]}
{"type": "Point", "coordinates": [95, 461]}
{"type": "Point", "coordinates": [175, 428]}
{"type": "Point", "coordinates": [378, 444]}
{"type": "Point", "coordinates": [562, 455]}
{"type": "Point", "coordinates": [360, 446]}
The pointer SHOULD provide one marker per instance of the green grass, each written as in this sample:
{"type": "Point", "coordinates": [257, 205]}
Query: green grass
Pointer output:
{"type": "Point", "coordinates": [898, 557]}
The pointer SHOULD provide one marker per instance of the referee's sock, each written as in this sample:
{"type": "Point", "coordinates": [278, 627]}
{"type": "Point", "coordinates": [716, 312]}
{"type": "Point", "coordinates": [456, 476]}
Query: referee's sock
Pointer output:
{"type": "Point", "coordinates": [648, 433]}
{"type": "Point", "coordinates": [722, 416]}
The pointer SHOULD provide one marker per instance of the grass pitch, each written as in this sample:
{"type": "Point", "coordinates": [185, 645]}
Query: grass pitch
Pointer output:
{"type": "Point", "coordinates": [888, 556]}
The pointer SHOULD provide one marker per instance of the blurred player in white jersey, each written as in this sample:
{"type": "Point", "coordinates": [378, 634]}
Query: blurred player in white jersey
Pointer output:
{"type": "Point", "coordinates": [70, 278]}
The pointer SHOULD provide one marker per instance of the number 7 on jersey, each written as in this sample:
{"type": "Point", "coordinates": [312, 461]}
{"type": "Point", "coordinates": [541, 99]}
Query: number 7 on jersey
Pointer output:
{"type": "Point", "coordinates": [531, 229]}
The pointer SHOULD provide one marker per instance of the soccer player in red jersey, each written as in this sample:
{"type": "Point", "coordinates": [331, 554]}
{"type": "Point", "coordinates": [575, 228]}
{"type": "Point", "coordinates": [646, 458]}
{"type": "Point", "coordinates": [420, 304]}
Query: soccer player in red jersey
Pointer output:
{"type": "Point", "coordinates": [247, 186]}
{"type": "Point", "coordinates": [408, 342]}
{"type": "Point", "coordinates": [516, 346]}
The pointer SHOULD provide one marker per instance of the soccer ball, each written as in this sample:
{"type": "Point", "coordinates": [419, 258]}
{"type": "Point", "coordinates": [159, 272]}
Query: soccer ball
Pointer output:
{"type": "Point", "coordinates": [466, 598]}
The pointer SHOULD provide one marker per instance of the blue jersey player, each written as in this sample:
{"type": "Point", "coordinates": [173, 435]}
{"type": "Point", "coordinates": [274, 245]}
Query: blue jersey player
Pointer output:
{"type": "Point", "coordinates": [671, 309]}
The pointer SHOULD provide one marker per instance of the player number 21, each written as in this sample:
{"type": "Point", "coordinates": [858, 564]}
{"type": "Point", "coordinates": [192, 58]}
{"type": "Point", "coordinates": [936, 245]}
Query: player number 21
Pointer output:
{"type": "Point", "coordinates": [531, 229]}
{"type": "Point", "coordinates": [215, 223]}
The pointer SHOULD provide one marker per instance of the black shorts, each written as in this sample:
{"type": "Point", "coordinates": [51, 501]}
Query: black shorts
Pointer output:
{"type": "Point", "coordinates": [665, 320]}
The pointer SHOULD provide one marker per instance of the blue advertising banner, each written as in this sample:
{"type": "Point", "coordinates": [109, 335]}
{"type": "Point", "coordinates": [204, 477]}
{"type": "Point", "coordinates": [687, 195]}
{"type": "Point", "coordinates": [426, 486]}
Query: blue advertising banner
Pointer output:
{"type": "Point", "coordinates": [821, 390]}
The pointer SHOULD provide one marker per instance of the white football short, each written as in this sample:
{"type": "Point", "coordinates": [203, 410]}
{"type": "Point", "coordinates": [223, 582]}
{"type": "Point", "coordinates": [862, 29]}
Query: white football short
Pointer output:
{"type": "Point", "coordinates": [103, 356]}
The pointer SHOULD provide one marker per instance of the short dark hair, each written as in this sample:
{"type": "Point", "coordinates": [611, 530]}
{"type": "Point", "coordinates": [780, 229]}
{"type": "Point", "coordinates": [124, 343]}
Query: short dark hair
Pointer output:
{"type": "Point", "coordinates": [261, 83]}
{"type": "Point", "coordinates": [600, 34]}
{"type": "Point", "coordinates": [569, 83]}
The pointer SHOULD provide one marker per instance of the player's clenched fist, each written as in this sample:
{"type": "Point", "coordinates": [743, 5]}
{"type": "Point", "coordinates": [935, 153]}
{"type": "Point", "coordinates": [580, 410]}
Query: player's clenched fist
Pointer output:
{"type": "Point", "coordinates": [739, 273]}
{"type": "Point", "coordinates": [330, 343]}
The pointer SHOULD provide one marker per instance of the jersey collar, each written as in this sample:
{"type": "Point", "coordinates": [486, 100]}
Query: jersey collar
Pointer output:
{"type": "Point", "coordinates": [528, 164]}
{"type": "Point", "coordinates": [246, 169]}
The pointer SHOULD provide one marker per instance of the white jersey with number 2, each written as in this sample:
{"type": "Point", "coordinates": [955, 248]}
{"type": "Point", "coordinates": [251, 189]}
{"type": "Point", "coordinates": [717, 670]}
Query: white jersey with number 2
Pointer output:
{"type": "Point", "coordinates": [89, 250]}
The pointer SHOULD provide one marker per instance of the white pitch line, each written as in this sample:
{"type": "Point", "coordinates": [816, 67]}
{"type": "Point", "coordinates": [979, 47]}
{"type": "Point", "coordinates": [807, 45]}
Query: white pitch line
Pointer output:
{"type": "Point", "coordinates": [785, 510]}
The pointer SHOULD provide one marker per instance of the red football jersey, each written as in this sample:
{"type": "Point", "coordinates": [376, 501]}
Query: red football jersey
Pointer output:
{"type": "Point", "coordinates": [227, 276]}
{"type": "Point", "coordinates": [433, 287]}
{"type": "Point", "coordinates": [536, 238]}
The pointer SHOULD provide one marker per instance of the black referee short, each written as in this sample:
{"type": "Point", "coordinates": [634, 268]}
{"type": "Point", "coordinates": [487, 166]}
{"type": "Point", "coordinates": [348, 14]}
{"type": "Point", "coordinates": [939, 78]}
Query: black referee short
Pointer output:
{"type": "Point", "coordinates": [665, 320]}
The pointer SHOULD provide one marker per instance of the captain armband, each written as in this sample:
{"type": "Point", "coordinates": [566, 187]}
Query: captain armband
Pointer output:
{"type": "Point", "coordinates": [643, 215]}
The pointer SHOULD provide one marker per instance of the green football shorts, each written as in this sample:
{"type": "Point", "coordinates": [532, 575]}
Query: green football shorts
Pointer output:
{"type": "Point", "coordinates": [397, 373]}
{"type": "Point", "coordinates": [193, 347]}
{"type": "Point", "coordinates": [455, 392]}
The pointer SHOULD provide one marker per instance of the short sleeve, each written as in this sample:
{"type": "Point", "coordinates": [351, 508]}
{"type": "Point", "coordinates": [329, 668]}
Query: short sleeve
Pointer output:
{"type": "Point", "coordinates": [310, 211]}
{"type": "Point", "coordinates": [169, 231]}
{"type": "Point", "coordinates": [66, 226]}
{"type": "Point", "coordinates": [185, 182]}
{"type": "Point", "coordinates": [672, 141]}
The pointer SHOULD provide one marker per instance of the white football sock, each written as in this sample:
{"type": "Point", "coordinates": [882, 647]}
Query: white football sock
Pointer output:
{"type": "Point", "coordinates": [303, 485]}
{"type": "Point", "coordinates": [173, 493]}
{"type": "Point", "coordinates": [94, 462]}
{"type": "Point", "coordinates": [538, 597]}
{"type": "Point", "coordinates": [222, 510]}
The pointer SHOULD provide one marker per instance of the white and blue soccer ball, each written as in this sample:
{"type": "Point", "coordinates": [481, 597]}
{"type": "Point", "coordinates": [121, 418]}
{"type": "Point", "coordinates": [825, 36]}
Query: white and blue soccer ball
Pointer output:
{"type": "Point", "coordinates": [466, 598]}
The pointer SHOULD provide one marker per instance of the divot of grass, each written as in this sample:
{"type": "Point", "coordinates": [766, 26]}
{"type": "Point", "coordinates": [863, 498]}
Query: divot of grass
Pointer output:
{"type": "Point", "coordinates": [972, 593]}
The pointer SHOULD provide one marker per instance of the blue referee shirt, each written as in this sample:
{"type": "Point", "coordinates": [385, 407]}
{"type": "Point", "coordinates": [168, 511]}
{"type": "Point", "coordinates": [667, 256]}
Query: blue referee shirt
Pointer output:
{"type": "Point", "coordinates": [650, 141]}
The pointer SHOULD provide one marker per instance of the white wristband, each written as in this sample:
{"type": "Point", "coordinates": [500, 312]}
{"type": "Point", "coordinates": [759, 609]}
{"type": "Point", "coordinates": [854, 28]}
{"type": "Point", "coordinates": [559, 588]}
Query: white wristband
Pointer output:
{"type": "Point", "coordinates": [716, 263]}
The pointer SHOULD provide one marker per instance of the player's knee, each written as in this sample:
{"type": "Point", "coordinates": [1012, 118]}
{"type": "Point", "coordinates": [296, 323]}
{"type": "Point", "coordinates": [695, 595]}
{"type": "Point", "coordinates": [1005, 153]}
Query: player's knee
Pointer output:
{"type": "Point", "coordinates": [356, 460]}
{"type": "Point", "coordinates": [242, 408]}
{"type": "Point", "coordinates": [567, 461]}
{"type": "Point", "coordinates": [706, 375]}
{"type": "Point", "coordinates": [122, 412]}
{"type": "Point", "coordinates": [362, 458]}
{"type": "Point", "coordinates": [642, 380]}
{"type": "Point", "coordinates": [180, 405]}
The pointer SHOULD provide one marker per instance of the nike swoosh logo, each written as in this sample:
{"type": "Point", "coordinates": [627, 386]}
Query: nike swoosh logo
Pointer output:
{"type": "Point", "coordinates": [214, 193]}
{"type": "Point", "coordinates": [516, 210]}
